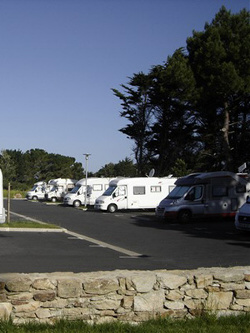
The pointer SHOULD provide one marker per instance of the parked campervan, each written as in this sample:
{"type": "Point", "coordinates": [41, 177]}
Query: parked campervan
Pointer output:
{"type": "Point", "coordinates": [2, 209]}
{"type": "Point", "coordinates": [61, 186]}
{"type": "Point", "coordinates": [39, 190]}
{"type": "Point", "coordinates": [134, 193]}
{"type": "Point", "coordinates": [242, 217]}
{"type": "Point", "coordinates": [204, 195]}
{"type": "Point", "coordinates": [95, 188]}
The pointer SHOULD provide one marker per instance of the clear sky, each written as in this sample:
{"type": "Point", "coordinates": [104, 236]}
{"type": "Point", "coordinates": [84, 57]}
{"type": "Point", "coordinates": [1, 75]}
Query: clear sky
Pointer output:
{"type": "Point", "coordinates": [59, 60]}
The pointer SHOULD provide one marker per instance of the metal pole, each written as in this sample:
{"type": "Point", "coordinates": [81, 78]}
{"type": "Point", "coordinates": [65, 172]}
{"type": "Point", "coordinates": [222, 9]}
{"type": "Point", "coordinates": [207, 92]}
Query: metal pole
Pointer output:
{"type": "Point", "coordinates": [86, 176]}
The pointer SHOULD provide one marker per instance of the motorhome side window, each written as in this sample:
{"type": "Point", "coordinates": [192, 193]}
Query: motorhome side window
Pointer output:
{"type": "Point", "coordinates": [219, 191]}
{"type": "Point", "coordinates": [138, 190]}
{"type": "Point", "coordinates": [155, 189]}
{"type": "Point", "coordinates": [97, 187]}
{"type": "Point", "coordinates": [121, 190]}
{"type": "Point", "coordinates": [195, 193]}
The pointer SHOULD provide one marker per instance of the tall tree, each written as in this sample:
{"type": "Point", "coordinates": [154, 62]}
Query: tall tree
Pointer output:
{"type": "Point", "coordinates": [172, 95]}
{"type": "Point", "coordinates": [220, 59]}
{"type": "Point", "coordinates": [137, 109]}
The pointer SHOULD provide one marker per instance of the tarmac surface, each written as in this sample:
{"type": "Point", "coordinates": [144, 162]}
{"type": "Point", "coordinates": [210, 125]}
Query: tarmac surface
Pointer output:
{"type": "Point", "coordinates": [96, 241]}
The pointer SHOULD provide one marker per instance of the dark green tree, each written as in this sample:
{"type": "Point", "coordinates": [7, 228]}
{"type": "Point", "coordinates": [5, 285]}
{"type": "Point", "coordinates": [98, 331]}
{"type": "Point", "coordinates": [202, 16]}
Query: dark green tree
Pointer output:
{"type": "Point", "coordinates": [24, 169]}
{"type": "Point", "coordinates": [173, 96]}
{"type": "Point", "coordinates": [125, 168]}
{"type": "Point", "coordinates": [138, 110]}
{"type": "Point", "coordinates": [220, 59]}
{"type": "Point", "coordinates": [108, 170]}
{"type": "Point", "coordinates": [35, 162]}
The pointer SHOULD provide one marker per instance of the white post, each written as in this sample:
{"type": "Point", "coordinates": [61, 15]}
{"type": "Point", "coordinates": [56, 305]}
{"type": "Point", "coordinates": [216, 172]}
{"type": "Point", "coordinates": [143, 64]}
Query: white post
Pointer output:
{"type": "Point", "coordinates": [2, 210]}
{"type": "Point", "coordinates": [86, 176]}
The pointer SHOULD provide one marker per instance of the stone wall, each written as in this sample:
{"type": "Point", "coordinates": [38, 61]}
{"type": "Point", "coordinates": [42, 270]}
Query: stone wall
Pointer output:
{"type": "Point", "coordinates": [131, 296]}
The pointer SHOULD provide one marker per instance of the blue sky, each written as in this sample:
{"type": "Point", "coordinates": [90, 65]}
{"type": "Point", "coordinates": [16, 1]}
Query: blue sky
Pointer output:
{"type": "Point", "coordinates": [59, 60]}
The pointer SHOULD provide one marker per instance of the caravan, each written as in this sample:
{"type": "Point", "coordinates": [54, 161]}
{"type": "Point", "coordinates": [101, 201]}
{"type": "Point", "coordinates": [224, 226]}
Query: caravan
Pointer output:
{"type": "Point", "coordinates": [60, 188]}
{"type": "Point", "coordinates": [39, 190]}
{"type": "Point", "coordinates": [212, 194]}
{"type": "Point", "coordinates": [78, 195]}
{"type": "Point", "coordinates": [134, 193]}
{"type": "Point", "coordinates": [2, 209]}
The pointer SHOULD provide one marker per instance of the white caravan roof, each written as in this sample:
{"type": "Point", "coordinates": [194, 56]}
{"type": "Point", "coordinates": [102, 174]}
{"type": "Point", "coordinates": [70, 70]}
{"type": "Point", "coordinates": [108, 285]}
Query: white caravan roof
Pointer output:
{"type": "Point", "coordinates": [141, 180]}
{"type": "Point", "coordinates": [93, 180]}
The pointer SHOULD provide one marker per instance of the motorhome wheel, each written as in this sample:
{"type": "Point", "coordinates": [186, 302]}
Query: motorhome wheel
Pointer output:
{"type": "Point", "coordinates": [184, 216]}
{"type": "Point", "coordinates": [35, 198]}
{"type": "Point", "coordinates": [53, 199]}
{"type": "Point", "coordinates": [112, 208]}
{"type": "Point", "coordinates": [76, 203]}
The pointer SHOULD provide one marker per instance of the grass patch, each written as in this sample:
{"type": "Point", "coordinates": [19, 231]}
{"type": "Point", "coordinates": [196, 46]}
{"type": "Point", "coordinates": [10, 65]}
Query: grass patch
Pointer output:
{"type": "Point", "coordinates": [206, 324]}
{"type": "Point", "coordinates": [14, 194]}
{"type": "Point", "coordinates": [28, 224]}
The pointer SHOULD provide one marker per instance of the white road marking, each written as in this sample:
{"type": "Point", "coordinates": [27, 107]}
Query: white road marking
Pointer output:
{"type": "Point", "coordinates": [104, 244]}
{"type": "Point", "coordinates": [88, 239]}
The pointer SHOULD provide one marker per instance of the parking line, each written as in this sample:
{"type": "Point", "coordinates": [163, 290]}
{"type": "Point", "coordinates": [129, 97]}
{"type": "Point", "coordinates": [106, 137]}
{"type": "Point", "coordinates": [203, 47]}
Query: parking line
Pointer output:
{"type": "Point", "coordinates": [89, 239]}
{"type": "Point", "coordinates": [104, 244]}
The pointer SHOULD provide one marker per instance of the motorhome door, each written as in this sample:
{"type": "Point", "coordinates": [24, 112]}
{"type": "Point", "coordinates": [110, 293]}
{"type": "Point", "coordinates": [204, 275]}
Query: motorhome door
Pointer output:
{"type": "Point", "coordinates": [121, 197]}
{"type": "Point", "coordinates": [194, 199]}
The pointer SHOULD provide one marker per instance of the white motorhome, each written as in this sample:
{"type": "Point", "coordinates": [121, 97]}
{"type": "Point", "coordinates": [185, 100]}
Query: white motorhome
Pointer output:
{"type": "Point", "coordinates": [39, 190]}
{"type": "Point", "coordinates": [2, 210]}
{"type": "Point", "coordinates": [134, 193]}
{"type": "Point", "coordinates": [212, 194]}
{"type": "Point", "coordinates": [61, 186]}
{"type": "Point", "coordinates": [95, 188]}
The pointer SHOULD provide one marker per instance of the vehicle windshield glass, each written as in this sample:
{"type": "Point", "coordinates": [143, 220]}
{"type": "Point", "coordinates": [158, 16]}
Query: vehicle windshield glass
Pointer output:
{"type": "Point", "coordinates": [34, 187]}
{"type": "Point", "coordinates": [75, 189]}
{"type": "Point", "coordinates": [178, 192]}
{"type": "Point", "coordinates": [109, 190]}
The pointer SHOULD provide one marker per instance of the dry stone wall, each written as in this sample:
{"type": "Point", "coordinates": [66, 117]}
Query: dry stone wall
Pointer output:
{"type": "Point", "coordinates": [130, 296]}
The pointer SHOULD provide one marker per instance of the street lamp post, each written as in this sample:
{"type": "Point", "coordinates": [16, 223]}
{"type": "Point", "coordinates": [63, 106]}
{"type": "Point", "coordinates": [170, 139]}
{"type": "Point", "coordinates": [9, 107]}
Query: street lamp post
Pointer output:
{"type": "Point", "coordinates": [86, 177]}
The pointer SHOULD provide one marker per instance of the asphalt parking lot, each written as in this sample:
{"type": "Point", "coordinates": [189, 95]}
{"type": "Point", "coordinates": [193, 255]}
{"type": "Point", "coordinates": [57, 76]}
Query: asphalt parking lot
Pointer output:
{"type": "Point", "coordinates": [95, 241]}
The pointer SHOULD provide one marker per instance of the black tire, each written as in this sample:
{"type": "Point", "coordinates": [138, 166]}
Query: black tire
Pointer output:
{"type": "Point", "coordinates": [112, 208]}
{"type": "Point", "coordinates": [77, 203]}
{"type": "Point", "coordinates": [53, 199]}
{"type": "Point", "coordinates": [35, 198]}
{"type": "Point", "coordinates": [184, 216]}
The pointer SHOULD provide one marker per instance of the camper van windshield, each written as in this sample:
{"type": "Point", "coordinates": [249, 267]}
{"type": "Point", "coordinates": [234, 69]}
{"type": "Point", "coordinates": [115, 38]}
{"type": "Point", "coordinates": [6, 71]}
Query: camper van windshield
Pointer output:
{"type": "Point", "coordinates": [34, 187]}
{"type": "Point", "coordinates": [109, 190]}
{"type": "Point", "coordinates": [178, 192]}
{"type": "Point", "coordinates": [75, 189]}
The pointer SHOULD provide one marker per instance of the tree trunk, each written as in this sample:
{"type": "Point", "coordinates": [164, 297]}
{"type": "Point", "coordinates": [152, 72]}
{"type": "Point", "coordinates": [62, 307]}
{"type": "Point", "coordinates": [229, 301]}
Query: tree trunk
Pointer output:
{"type": "Point", "coordinates": [226, 144]}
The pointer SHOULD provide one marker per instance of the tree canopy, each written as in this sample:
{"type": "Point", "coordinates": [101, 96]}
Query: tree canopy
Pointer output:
{"type": "Point", "coordinates": [24, 169]}
{"type": "Point", "coordinates": [195, 107]}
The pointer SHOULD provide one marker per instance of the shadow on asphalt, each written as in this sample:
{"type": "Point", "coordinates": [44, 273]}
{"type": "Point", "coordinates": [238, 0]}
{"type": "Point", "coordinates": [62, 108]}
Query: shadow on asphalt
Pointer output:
{"type": "Point", "coordinates": [216, 229]}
